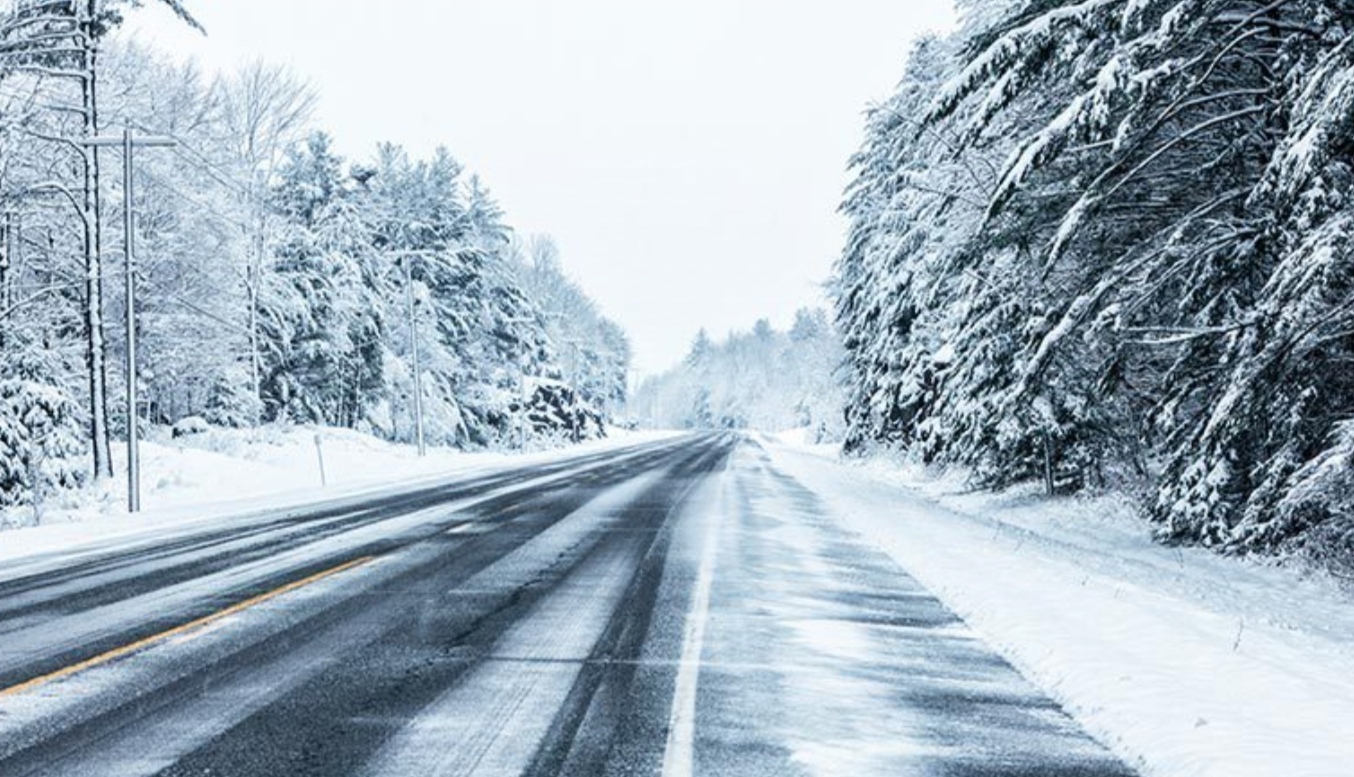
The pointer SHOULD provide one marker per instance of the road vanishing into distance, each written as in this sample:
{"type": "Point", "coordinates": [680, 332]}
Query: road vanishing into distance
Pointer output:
{"type": "Point", "coordinates": [671, 608]}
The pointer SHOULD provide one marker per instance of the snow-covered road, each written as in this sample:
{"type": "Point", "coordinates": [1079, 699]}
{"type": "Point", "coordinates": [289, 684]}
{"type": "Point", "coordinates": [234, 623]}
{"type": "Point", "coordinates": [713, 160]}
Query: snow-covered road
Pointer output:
{"type": "Point", "coordinates": [674, 608]}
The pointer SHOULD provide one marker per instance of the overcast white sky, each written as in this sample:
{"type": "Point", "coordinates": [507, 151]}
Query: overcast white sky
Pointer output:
{"type": "Point", "coordinates": [688, 157]}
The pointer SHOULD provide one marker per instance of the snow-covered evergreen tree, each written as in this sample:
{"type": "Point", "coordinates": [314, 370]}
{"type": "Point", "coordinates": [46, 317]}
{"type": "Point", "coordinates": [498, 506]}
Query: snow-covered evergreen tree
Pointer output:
{"type": "Point", "coordinates": [1108, 238]}
{"type": "Point", "coordinates": [273, 275]}
{"type": "Point", "coordinates": [319, 317]}
{"type": "Point", "coordinates": [764, 379]}
{"type": "Point", "coordinates": [593, 351]}
{"type": "Point", "coordinates": [42, 437]}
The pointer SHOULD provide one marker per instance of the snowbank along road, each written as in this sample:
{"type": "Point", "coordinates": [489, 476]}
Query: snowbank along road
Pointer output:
{"type": "Point", "coordinates": [671, 609]}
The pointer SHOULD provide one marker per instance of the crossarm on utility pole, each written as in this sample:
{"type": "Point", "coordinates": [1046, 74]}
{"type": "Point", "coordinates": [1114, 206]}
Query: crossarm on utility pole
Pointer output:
{"type": "Point", "coordinates": [138, 141]}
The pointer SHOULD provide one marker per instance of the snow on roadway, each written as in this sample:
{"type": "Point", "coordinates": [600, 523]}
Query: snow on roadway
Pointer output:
{"type": "Point", "coordinates": [500, 713]}
{"type": "Point", "coordinates": [27, 642]}
{"type": "Point", "coordinates": [225, 473]}
{"type": "Point", "coordinates": [824, 658]}
{"type": "Point", "coordinates": [1185, 663]}
{"type": "Point", "coordinates": [710, 507]}
{"type": "Point", "coordinates": [166, 738]}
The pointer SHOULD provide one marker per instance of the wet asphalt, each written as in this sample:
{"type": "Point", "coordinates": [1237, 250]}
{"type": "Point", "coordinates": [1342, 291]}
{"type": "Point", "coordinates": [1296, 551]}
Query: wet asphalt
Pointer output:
{"type": "Point", "coordinates": [671, 609]}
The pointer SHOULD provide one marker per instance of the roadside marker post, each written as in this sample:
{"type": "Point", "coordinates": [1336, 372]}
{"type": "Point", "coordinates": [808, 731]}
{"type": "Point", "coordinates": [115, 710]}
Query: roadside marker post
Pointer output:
{"type": "Point", "coordinates": [319, 453]}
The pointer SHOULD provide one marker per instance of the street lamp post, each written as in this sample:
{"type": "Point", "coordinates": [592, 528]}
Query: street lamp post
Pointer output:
{"type": "Point", "coordinates": [129, 142]}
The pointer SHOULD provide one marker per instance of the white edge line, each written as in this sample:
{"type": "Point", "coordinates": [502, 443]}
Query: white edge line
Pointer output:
{"type": "Point", "coordinates": [678, 755]}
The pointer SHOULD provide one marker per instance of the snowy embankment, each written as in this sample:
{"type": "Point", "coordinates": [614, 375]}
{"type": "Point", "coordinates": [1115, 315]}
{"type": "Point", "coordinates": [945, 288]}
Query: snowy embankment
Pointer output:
{"type": "Point", "coordinates": [226, 472]}
{"type": "Point", "coordinates": [1185, 663]}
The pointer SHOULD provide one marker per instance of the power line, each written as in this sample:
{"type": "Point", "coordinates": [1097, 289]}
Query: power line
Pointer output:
{"type": "Point", "coordinates": [214, 170]}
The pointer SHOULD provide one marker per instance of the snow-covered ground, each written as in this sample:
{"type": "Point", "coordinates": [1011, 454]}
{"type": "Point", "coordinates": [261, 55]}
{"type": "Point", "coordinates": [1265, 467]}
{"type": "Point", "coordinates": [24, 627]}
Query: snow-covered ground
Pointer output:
{"type": "Point", "coordinates": [1185, 663]}
{"type": "Point", "coordinates": [228, 472]}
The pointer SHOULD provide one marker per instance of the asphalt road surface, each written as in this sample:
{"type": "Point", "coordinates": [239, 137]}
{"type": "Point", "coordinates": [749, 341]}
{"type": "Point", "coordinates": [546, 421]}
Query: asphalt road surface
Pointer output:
{"type": "Point", "coordinates": [670, 609]}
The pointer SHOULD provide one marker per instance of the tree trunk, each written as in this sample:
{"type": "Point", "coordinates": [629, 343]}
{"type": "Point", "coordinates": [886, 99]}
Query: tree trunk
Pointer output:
{"type": "Point", "coordinates": [1050, 483]}
{"type": "Point", "coordinates": [6, 262]}
{"type": "Point", "coordinates": [96, 356]}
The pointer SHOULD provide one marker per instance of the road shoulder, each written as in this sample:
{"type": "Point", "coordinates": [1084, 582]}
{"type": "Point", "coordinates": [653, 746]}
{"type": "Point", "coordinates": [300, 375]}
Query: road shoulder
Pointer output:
{"type": "Point", "coordinates": [1182, 663]}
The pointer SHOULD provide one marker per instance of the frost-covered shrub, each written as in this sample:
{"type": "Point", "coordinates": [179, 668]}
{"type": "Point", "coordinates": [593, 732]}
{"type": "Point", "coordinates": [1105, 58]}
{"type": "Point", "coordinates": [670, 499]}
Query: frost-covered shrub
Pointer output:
{"type": "Point", "coordinates": [231, 404]}
{"type": "Point", "coordinates": [41, 442]}
{"type": "Point", "coordinates": [1316, 515]}
{"type": "Point", "coordinates": [557, 411]}
{"type": "Point", "coordinates": [192, 425]}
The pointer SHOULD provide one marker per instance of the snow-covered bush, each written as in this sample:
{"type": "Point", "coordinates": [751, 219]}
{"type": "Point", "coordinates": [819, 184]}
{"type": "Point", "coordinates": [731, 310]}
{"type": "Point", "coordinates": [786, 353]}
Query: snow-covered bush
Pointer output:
{"type": "Point", "coordinates": [190, 426]}
{"type": "Point", "coordinates": [556, 411]}
{"type": "Point", "coordinates": [1316, 514]}
{"type": "Point", "coordinates": [231, 404]}
{"type": "Point", "coordinates": [42, 444]}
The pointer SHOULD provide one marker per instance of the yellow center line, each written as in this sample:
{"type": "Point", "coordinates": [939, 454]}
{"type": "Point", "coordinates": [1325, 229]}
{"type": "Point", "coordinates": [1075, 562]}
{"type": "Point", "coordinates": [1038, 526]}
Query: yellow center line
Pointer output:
{"type": "Point", "coordinates": [140, 644]}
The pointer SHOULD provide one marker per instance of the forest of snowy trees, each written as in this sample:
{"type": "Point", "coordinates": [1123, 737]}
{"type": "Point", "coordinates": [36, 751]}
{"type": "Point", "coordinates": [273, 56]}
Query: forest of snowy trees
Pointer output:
{"type": "Point", "coordinates": [764, 379]}
{"type": "Point", "coordinates": [276, 279]}
{"type": "Point", "coordinates": [1110, 241]}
